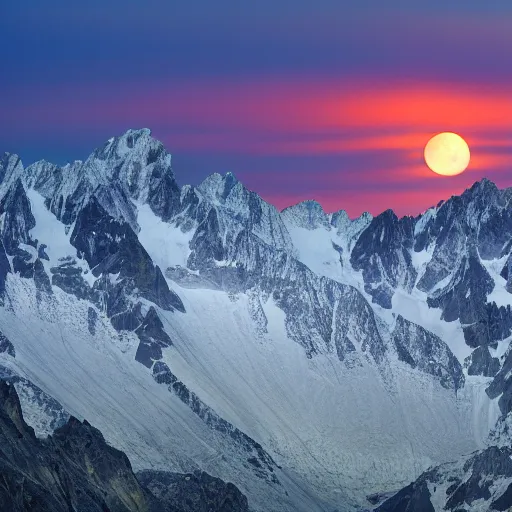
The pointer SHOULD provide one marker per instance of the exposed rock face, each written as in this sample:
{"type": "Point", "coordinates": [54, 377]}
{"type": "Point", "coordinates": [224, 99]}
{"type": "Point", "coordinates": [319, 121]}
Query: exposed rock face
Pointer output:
{"type": "Point", "coordinates": [41, 279]}
{"type": "Point", "coordinates": [494, 324]}
{"type": "Point", "coordinates": [132, 166]}
{"type": "Point", "coordinates": [10, 169]}
{"type": "Point", "coordinates": [456, 239]}
{"type": "Point", "coordinates": [308, 214]}
{"type": "Point", "coordinates": [350, 229]}
{"type": "Point", "coordinates": [382, 252]}
{"type": "Point", "coordinates": [75, 469]}
{"type": "Point", "coordinates": [111, 247]}
{"type": "Point", "coordinates": [480, 362]}
{"type": "Point", "coordinates": [427, 352]}
{"type": "Point", "coordinates": [6, 345]}
{"type": "Point", "coordinates": [501, 386]}
{"type": "Point", "coordinates": [197, 492]}
{"type": "Point", "coordinates": [68, 276]}
{"type": "Point", "coordinates": [483, 479]}
{"type": "Point", "coordinates": [506, 273]}
{"type": "Point", "coordinates": [466, 294]}
{"type": "Point", "coordinates": [236, 207]}
{"type": "Point", "coordinates": [152, 339]}
{"type": "Point", "coordinates": [319, 321]}
{"type": "Point", "coordinates": [5, 268]}
{"type": "Point", "coordinates": [41, 411]}
{"type": "Point", "coordinates": [17, 218]}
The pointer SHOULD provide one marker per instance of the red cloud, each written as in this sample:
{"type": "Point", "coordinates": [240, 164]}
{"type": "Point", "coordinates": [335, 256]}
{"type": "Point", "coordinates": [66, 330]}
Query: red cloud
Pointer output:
{"type": "Point", "coordinates": [286, 118]}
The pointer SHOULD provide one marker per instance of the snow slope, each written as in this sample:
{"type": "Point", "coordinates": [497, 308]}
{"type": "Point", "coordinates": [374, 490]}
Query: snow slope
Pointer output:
{"type": "Point", "coordinates": [309, 412]}
{"type": "Point", "coordinates": [97, 378]}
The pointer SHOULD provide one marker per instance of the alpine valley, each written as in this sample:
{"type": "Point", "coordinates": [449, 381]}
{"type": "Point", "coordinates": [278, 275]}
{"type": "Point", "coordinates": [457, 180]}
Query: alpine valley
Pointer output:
{"type": "Point", "coordinates": [316, 362]}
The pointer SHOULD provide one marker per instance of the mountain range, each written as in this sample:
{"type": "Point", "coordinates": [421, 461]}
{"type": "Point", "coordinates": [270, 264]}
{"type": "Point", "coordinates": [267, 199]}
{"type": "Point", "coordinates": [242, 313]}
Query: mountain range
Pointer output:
{"type": "Point", "coordinates": [317, 362]}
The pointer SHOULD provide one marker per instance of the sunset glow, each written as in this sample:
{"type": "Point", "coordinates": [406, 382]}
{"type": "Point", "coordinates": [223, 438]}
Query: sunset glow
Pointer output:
{"type": "Point", "coordinates": [321, 123]}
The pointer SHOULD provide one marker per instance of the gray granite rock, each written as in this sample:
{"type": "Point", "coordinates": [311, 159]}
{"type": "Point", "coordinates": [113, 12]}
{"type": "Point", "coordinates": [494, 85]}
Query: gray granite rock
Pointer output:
{"type": "Point", "coordinates": [75, 469]}
{"type": "Point", "coordinates": [480, 362]}
{"type": "Point", "coordinates": [6, 345]}
{"type": "Point", "coordinates": [193, 492]}
{"type": "Point", "coordinates": [382, 252]}
{"type": "Point", "coordinates": [483, 479]}
{"type": "Point", "coordinates": [427, 352]}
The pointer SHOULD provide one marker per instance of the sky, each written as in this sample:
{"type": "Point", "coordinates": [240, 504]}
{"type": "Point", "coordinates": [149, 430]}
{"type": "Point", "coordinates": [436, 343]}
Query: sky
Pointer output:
{"type": "Point", "coordinates": [327, 100]}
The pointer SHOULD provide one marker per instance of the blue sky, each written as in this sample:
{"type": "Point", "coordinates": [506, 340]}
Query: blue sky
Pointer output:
{"type": "Point", "coordinates": [216, 82]}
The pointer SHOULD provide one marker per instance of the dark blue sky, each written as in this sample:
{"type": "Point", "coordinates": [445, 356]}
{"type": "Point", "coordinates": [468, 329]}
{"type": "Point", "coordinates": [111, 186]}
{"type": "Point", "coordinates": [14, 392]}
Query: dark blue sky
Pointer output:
{"type": "Point", "coordinates": [277, 92]}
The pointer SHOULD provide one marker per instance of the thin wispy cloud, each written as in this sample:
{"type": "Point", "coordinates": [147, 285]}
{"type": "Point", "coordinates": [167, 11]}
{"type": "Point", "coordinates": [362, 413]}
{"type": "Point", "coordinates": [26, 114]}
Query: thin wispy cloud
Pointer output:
{"type": "Point", "coordinates": [302, 102]}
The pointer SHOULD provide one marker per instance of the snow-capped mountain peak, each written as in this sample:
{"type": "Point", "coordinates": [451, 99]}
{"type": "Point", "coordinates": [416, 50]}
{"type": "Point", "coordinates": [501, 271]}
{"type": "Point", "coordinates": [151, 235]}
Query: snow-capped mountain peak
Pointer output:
{"type": "Point", "coordinates": [306, 214]}
{"type": "Point", "coordinates": [133, 166]}
{"type": "Point", "coordinates": [254, 343]}
{"type": "Point", "coordinates": [218, 188]}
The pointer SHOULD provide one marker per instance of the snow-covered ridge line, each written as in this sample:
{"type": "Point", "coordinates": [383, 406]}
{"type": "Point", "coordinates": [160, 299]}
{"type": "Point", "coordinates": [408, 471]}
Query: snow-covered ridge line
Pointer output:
{"type": "Point", "coordinates": [293, 327]}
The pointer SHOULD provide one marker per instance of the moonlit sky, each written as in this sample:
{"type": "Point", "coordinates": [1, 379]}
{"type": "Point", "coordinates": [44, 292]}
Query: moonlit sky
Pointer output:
{"type": "Point", "coordinates": [327, 100]}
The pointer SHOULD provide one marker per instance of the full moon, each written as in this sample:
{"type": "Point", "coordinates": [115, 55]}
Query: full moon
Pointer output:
{"type": "Point", "coordinates": [447, 154]}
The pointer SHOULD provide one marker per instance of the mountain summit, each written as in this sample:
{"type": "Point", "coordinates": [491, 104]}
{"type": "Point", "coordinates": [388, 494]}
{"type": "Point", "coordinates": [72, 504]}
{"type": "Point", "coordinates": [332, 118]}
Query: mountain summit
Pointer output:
{"type": "Point", "coordinates": [317, 362]}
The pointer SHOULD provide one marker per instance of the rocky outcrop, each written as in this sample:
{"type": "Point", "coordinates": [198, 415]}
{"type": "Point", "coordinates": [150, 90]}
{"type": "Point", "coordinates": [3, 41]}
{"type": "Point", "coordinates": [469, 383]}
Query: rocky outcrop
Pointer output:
{"type": "Point", "coordinates": [153, 339]}
{"type": "Point", "coordinates": [6, 345]}
{"type": "Point", "coordinates": [68, 276]}
{"type": "Point", "coordinates": [321, 314]}
{"type": "Point", "coordinates": [111, 248]}
{"type": "Point", "coordinates": [17, 218]}
{"type": "Point", "coordinates": [480, 362]}
{"type": "Point", "coordinates": [382, 252]}
{"type": "Point", "coordinates": [483, 479]}
{"type": "Point", "coordinates": [506, 273]}
{"type": "Point", "coordinates": [465, 296]}
{"type": "Point", "coordinates": [307, 214]}
{"type": "Point", "coordinates": [455, 240]}
{"type": "Point", "coordinates": [428, 353]}
{"type": "Point", "coordinates": [195, 492]}
{"type": "Point", "coordinates": [494, 324]}
{"type": "Point", "coordinates": [501, 386]}
{"type": "Point", "coordinates": [132, 166]}
{"type": "Point", "coordinates": [74, 469]}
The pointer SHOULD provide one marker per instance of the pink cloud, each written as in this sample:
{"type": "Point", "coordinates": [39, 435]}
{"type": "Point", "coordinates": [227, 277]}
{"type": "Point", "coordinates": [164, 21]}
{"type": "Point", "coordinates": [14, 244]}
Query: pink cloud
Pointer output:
{"type": "Point", "coordinates": [308, 118]}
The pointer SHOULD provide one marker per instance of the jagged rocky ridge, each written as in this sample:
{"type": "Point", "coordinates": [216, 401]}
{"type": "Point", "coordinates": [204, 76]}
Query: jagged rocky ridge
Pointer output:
{"type": "Point", "coordinates": [74, 469]}
{"type": "Point", "coordinates": [256, 455]}
{"type": "Point", "coordinates": [479, 482]}
{"type": "Point", "coordinates": [422, 349]}
{"type": "Point", "coordinates": [232, 225]}
{"type": "Point", "coordinates": [458, 237]}
{"type": "Point", "coordinates": [241, 245]}
{"type": "Point", "coordinates": [109, 268]}
{"type": "Point", "coordinates": [41, 411]}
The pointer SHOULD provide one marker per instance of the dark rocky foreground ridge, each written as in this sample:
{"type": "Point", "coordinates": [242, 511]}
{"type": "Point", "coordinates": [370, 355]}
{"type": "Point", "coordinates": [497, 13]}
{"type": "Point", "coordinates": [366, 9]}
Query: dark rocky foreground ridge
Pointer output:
{"type": "Point", "coordinates": [75, 470]}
